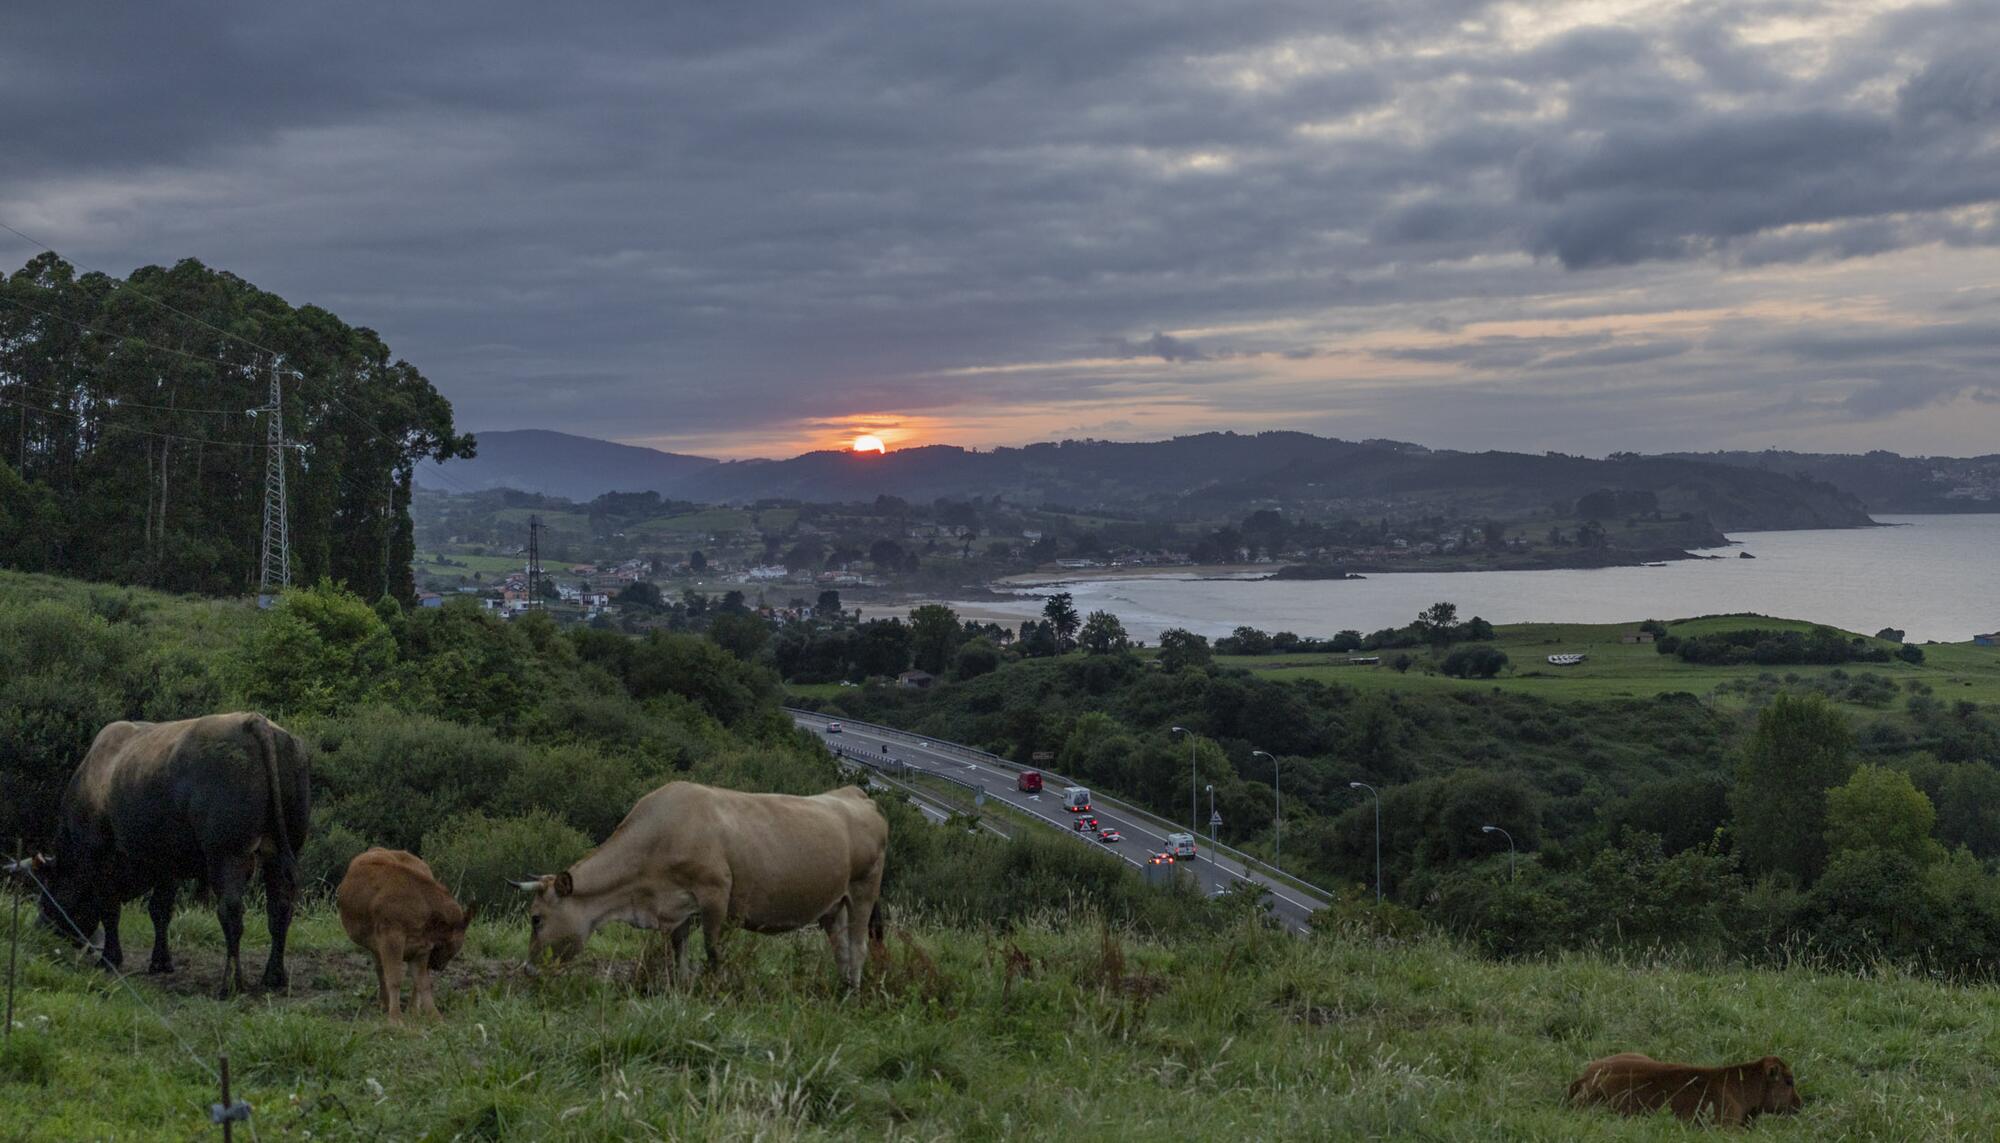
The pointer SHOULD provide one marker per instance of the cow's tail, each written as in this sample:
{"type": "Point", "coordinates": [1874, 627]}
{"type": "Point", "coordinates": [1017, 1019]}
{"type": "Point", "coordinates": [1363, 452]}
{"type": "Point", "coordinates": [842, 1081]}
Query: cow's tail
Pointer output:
{"type": "Point", "coordinates": [267, 744]}
{"type": "Point", "coordinates": [875, 922]}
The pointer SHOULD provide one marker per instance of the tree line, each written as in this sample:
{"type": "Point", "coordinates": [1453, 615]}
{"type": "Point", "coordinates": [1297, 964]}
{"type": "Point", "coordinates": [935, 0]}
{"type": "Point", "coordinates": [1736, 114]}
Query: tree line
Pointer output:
{"type": "Point", "coordinates": [129, 452]}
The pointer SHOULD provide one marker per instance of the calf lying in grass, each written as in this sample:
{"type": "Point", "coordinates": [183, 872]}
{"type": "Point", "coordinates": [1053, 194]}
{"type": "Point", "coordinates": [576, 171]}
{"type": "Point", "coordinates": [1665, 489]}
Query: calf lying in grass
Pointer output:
{"type": "Point", "coordinates": [392, 906]}
{"type": "Point", "coordinates": [1728, 1096]}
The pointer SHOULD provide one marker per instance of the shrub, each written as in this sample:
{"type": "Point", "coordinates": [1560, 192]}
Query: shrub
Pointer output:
{"type": "Point", "coordinates": [321, 650]}
{"type": "Point", "coordinates": [1474, 663]}
{"type": "Point", "coordinates": [477, 857]}
{"type": "Point", "coordinates": [324, 857]}
{"type": "Point", "coordinates": [590, 791]}
{"type": "Point", "coordinates": [390, 776]}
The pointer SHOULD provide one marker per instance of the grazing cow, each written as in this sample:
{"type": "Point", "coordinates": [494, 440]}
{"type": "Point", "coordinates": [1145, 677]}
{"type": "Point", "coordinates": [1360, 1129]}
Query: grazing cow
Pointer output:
{"type": "Point", "coordinates": [157, 803]}
{"type": "Point", "coordinates": [392, 906]}
{"type": "Point", "coordinates": [768, 862]}
{"type": "Point", "coordinates": [1728, 1096]}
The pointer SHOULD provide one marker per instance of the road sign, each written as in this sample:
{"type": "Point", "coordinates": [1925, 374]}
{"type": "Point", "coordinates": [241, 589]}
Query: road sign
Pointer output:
{"type": "Point", "coordinates": [979, 797]}
{"type": "Point", "coordinates": [1214, 819]}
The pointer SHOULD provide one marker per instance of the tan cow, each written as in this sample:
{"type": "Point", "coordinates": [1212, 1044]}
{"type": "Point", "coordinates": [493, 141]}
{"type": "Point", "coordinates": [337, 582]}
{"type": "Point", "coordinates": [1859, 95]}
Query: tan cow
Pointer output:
{"type": "Point", "coordinates": [1728, 1096]}
{"type": "Point", "coordinates": [392, 906]}
{"type": "Point", "coordinates": [768, 862]}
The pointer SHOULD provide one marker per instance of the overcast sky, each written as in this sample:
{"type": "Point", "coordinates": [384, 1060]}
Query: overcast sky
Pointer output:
{"type": "Point", "coordinates": [750, 229]}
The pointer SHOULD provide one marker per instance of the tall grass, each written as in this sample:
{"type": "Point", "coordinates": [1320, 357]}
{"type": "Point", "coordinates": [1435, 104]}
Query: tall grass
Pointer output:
{"type": "Point", "coordinates": [1057, 1027]}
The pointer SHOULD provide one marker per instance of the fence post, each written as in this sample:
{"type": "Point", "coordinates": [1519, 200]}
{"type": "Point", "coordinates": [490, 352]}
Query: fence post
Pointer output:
{"type": "Point", "coordinates": [13, 955]}
{"type": "Point", "coordinates": [228, 1111]}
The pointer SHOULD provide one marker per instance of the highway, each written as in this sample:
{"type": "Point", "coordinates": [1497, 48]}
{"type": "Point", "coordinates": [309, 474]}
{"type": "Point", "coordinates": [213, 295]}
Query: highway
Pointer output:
{"type": "Point", "coordinates": [1144, 834]}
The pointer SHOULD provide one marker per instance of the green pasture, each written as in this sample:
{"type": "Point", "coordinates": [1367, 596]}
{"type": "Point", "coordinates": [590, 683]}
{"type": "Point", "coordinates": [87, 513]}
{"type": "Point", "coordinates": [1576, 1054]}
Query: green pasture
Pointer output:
{"type": "Point", "coordinates": [489, 566]}
{"type": "Point", "coordinates": [1056, 1029]}
{"type": "Point", "coordinates": [716, 520]}
{"type": "Point", "coordinates": [1614, 670]}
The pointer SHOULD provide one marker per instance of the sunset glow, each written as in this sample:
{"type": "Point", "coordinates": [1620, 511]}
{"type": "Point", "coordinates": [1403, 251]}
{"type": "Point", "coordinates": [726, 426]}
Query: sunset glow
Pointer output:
{"type": "Point", "coordinates": [867, 443]}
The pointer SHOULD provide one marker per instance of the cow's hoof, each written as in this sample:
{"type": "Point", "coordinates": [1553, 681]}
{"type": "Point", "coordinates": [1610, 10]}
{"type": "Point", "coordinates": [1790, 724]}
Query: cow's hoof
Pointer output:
{"type": "Point", "coordinates": [160, 965]}
{"type": "Point", "coordinates": [276, 981]}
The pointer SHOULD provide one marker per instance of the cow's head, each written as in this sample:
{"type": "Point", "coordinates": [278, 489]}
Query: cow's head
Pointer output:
{"type": "Point", "coordinates": [1781, 1091]}
{"type": "Point", "coordinates": [448, 939]}
{"type": "Point", "coordinates": [66, 907]}
{"type": "Point", "coordinates": [558, 923]}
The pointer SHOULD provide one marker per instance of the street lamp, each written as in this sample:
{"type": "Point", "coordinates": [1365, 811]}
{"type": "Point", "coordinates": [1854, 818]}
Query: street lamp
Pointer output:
{"type": "Point", "coordinates": [1278, 820]}
{"type": "Point", "coordinates": [1211, 824]}
{"type": "Point", "coordinates": [1194, 806]}
{"type": "Point", "coordinates": [1378, 834]}
{"type": "Point", "coordinates": [1510, 846]}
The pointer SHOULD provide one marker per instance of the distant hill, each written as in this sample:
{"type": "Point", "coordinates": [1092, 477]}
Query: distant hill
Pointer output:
{"type": "Point", "coordinates": [1187, 477]}
{"type": "Point", "coordinates": [559, 464]}
{"type": "Point", "coordinates": [1885, 481]}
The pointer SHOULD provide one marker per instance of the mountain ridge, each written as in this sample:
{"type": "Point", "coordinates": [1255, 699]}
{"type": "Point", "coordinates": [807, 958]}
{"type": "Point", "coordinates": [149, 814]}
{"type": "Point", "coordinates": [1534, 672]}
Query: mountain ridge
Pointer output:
{"type": "Point", "coordinates": [1185, 477]}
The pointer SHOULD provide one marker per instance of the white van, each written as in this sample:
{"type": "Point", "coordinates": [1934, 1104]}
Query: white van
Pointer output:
{"type": "Point", "coordinates": [1181, 845]}
{"type": "Point", "coordinates": [1076, 799]}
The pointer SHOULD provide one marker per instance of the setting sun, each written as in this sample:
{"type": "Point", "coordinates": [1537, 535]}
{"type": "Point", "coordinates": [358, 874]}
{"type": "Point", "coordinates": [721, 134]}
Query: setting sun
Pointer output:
{"type": "Point", "coordinates": [868, 444]}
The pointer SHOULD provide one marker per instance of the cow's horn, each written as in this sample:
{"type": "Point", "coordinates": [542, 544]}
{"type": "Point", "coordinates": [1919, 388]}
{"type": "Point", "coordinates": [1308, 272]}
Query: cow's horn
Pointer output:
{"type": "Point", "coordinates": [529, 885]}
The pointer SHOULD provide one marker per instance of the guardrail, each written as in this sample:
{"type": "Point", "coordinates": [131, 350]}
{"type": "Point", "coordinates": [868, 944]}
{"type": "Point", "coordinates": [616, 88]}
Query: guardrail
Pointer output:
{"type": "Point", "coordinates": [1156, 821]}
{"type": "Point", "coordinates": [901, 777]}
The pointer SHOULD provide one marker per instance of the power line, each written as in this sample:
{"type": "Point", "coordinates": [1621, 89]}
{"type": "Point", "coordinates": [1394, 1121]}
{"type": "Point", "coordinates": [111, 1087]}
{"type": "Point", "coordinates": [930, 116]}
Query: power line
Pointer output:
{"type": "Point", "coordinates": [112, 404]}
{"type": "Point", "coordinates": [113, 426]}
{"type": "Point", "coordinates": [109, 335]}
{"type": "Point", "coordinates": [122, 284]}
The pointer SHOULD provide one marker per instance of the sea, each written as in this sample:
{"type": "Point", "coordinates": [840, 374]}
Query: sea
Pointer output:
{"type": "Point", "coordinates": [1934, 577]}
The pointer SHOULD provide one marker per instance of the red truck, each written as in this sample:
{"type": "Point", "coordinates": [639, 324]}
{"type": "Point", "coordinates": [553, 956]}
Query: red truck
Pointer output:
{"type": "Point", "coordinates": [1030, 782]}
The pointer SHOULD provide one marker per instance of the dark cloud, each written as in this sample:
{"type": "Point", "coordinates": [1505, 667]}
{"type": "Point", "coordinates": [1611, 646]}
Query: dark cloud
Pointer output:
{"type": "Point", "coordinates": [644, 220]}
{"type": "Point", "coordinates": [1166, 347]}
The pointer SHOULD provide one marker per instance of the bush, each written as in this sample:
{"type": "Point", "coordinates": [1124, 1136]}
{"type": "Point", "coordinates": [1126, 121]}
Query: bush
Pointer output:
{"type": "Point", "coordinates": [321, 650]}
{"type": "Point", "coordinates": [1474, 663]}
{"type": "Point", "coordinates": [390, 776]}
{"type": "Point", "coordinates": [591, 792]}
{"type": "Point", "coordinates": [328, 848]}
{"type": "Point", "coordinates": [478, 857]}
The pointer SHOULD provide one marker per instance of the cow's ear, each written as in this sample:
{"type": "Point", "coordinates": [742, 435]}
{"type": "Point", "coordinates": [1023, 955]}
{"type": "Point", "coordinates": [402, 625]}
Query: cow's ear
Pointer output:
{"type": "Point", "coordinates": [1774, 1068]}
{"type": "Point", "coordinates": [565, 884]}
{"type": "Point", "coordinates": [465, 919]}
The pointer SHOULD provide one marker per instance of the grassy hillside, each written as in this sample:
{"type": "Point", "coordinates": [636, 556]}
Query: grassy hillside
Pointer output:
{"type": "Point", "coordinates": [1042, 1032]}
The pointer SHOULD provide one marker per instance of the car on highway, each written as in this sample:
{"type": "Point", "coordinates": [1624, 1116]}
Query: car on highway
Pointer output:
{"type": "Point", "coordinates": [833, 728]}
{"type": "Point", "coordinates": [1160, 859]}
{"type": "Point", "coordinates": [1029, 782]}
{"type": "Point", "coordinates": [1181, 844]}
{"type": "Point", "coordinates": [1084, 824]}
{"type": "Point", "coordinates": [1076, 799]}
{"type": "Point", "coordinates": [1108, 835]}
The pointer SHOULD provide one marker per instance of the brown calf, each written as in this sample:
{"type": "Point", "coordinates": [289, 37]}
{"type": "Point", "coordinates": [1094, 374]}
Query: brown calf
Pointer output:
{"type": "Point", "coordinates": [392, 906]}
{"type": "Point", "coordinates": [1727, 1096]}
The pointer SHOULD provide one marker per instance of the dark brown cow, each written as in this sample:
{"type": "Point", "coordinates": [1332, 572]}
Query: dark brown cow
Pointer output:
{"type": "Point", "coordinates": [1729, 1096]}
{"type": "Point", "coordinates": [157, 803]}
{"type": "Point", "coordinates": [392, 905]}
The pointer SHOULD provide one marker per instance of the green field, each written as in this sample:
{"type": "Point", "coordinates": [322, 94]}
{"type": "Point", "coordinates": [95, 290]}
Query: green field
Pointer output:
{"type": "Point", "coordinates": [488, 566]}
{"type": "Point", "coordinates": [777, 519]}
{"type": "Point", "coordinates": [1045, 1032]}
{"type": "Point", "coordinates": [1625, 670]}
{"type": "Point", "coordinates": [715, 520]}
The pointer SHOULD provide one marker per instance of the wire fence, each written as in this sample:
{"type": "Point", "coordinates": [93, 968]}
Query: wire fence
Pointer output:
{"type": "Point", "coordinates": [225, 1114]}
